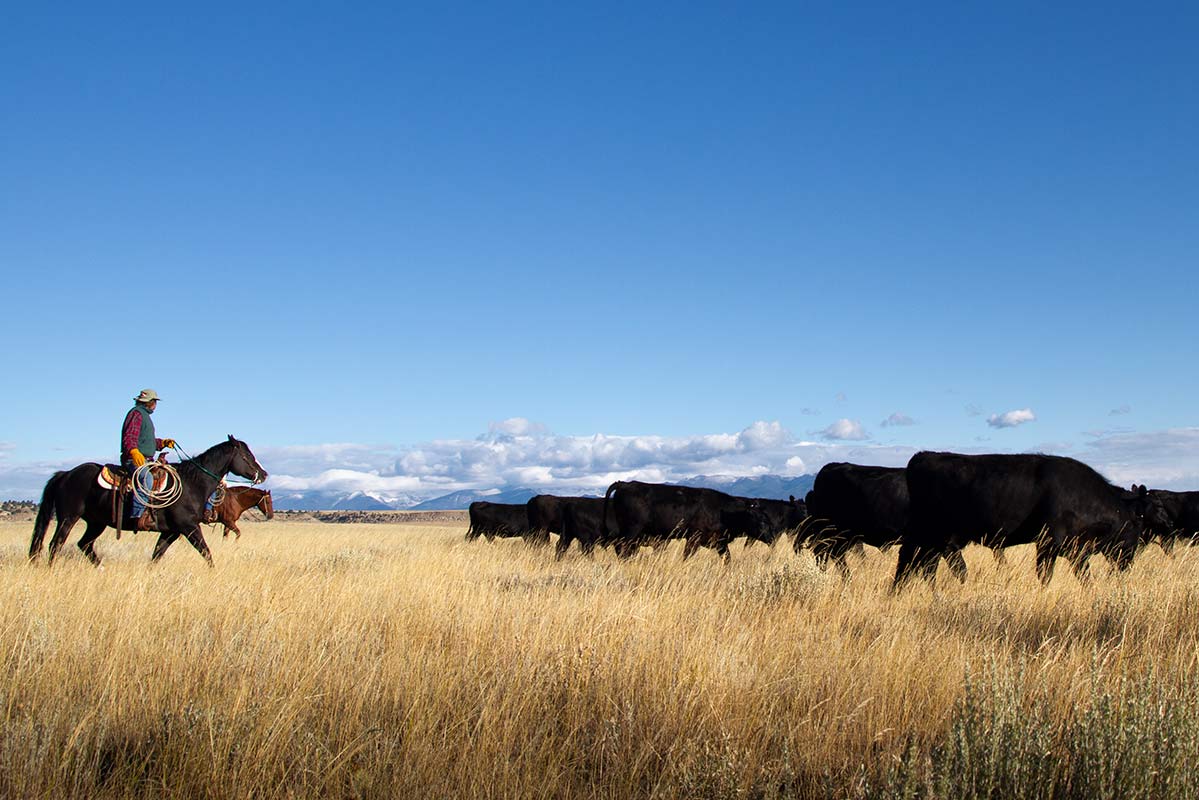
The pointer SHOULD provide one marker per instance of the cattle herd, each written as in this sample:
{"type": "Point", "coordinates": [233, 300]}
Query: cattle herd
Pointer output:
{"type": "Point", "coordinates": [931, 509]}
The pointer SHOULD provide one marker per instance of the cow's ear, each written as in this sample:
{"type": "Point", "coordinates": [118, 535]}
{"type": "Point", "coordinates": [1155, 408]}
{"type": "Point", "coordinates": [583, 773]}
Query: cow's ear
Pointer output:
{"type": "Point", "coordinates": [792, 498]}
{"type": "Point", "coordinates": [1142, 490]}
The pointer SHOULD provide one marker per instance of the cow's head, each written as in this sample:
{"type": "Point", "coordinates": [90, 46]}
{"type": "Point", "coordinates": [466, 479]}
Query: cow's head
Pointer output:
{"type": "Point", "coordinates": [748, 518]}
{"type": "Point", "coordinates": [1149, 511]}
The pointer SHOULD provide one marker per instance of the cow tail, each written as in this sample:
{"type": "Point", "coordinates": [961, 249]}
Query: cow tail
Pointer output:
{"type": "Point", "coordinates": [470, 527]}
{"type": "Point", "coordinates": [604, 519]}
{"type": "Point", "coordinates": [44, 512]}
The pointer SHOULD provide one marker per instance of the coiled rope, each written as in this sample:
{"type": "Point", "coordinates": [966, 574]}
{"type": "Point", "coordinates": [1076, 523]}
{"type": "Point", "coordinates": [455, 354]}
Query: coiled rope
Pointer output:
{"type": "Point", "coordinates": [171, 490]}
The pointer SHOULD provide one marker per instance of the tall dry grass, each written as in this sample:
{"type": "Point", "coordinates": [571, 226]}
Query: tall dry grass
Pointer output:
{"type": "Point", "coordinates": [402, 661]}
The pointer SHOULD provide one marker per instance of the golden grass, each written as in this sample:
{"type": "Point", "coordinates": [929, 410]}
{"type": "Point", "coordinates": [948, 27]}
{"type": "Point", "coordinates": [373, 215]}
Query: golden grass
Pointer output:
{"type": "Point", "coordinates": [401, 661]}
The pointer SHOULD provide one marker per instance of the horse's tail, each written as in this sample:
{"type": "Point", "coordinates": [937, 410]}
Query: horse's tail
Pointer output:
{"type": "Point", "coordinates": [44, 512]}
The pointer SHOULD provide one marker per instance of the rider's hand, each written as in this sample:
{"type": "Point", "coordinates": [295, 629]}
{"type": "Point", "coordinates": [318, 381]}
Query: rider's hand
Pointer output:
{"type": "Point", "coordinates": [168, 443]}
{"type": "Point", "coordinates": [138, 458]}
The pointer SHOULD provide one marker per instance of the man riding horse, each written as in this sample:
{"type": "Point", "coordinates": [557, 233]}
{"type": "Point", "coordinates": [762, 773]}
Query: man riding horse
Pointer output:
{"type": "Point", "coordinates": [138, 445]}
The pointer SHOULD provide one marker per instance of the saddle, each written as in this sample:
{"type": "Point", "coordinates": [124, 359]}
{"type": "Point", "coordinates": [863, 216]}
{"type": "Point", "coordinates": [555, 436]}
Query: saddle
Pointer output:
{"type": "Point", "coordinates": [120, 481]}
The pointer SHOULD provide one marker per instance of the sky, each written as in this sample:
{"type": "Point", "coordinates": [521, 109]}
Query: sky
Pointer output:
{"type": "Point", "coordinates": [423, 247]}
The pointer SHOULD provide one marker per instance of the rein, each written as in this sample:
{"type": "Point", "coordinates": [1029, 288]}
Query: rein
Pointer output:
{"type": "Point", "coordinates": [185, 456]}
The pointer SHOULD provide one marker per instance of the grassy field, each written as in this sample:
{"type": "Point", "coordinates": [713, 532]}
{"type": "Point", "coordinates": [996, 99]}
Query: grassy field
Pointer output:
{"type": "Point", "coordinates": [401, 661]}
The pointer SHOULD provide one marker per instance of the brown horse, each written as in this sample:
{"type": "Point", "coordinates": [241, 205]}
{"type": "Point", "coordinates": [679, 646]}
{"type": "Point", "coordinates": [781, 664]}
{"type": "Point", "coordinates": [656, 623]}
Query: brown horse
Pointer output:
{"type": "Point", "coordinates": [238, 500]}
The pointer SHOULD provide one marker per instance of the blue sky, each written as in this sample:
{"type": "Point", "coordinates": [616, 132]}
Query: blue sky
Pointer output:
{"type": "Point", "coordinates": [407, 229]}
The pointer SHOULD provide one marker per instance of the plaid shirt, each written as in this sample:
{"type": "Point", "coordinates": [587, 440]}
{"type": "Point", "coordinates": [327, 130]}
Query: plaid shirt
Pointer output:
{"type": "Point", "coordinates": [130, 432]}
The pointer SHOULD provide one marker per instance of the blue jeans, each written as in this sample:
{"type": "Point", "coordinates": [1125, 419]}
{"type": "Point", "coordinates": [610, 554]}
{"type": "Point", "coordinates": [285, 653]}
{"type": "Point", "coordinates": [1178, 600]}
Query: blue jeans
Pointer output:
{"type": "Point", "coordinates": [145, 480]}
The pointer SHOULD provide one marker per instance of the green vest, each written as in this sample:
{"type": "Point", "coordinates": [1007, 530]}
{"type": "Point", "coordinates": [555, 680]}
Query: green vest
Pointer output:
{"type": "Point", "coordinates": [146, 442]}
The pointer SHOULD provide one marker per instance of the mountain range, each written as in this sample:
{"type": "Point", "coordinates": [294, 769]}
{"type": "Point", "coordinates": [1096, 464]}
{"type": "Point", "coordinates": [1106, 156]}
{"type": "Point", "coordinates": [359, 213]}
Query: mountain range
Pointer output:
{"type": "Point", "coordinates": [773, 486]}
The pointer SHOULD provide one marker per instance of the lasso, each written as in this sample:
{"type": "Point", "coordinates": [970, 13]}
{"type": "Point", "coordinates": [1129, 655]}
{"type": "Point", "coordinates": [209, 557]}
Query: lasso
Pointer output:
{"type": "Point", "coordinates": [171, 489]}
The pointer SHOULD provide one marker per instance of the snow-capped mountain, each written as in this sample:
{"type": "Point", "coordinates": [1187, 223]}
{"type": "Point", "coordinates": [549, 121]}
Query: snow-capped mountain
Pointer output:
{"type": "Point", "coordinates": [775, 486]}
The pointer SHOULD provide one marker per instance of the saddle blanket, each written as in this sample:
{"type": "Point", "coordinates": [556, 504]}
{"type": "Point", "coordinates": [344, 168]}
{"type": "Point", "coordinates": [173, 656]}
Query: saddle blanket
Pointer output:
{"type": "Point", "coordinates": [111, 476]}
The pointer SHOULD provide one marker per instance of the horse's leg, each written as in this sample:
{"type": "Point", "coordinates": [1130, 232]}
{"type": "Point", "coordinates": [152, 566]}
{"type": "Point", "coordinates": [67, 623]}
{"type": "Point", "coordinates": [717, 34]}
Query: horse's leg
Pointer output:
{"type": "Point", "coordinates": [60, 534]}
{"type": "Point", "coordinates": [236, 531]}
{"type": "Point", "coordinates": [86, 544]}
{"type": "Point", "coordinates": [196, 537]}
{"type": "Point", "coordinates": [165, 540]}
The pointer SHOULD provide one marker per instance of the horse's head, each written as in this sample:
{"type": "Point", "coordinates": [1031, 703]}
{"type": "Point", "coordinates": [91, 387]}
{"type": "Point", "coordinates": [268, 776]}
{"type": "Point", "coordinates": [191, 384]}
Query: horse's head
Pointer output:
{"type": "Point", "coordinates": [244, 464]}
{"type": "Point", "coordinates": [267, 505]}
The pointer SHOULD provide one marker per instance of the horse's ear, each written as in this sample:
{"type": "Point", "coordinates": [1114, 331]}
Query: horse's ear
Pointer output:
{"type": "Point", "coordinates": [231, 437]}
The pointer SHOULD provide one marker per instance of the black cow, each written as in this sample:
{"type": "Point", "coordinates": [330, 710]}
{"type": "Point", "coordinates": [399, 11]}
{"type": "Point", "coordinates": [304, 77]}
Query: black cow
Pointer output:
{"type": "Point", "coordinates": [1062, 505]}
{"type": "Point", "coordinates": [651, 513]}
{"type": "Point", "coordinates": [582, 521]}
{"type": "Point", "coordinates": [1182, 511]}
{"type": "Point", "coordinates": [497, 519]}
{"type": "Point", "coordinates": [551, 514]}
{"type": "Point", "coordinates": [545, 517]}
{"type": "Point", "coordinates": [851, 505]}
{"type": "Point", "coordinates": [782, 516]}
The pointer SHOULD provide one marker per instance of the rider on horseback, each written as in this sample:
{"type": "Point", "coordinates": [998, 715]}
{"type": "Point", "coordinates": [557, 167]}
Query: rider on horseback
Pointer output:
{"type": "Point", "coordinates": [138, 444]}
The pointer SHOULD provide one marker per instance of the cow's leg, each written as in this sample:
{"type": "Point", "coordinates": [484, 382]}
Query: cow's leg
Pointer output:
{"type": "Point", "coordinates": [1081, 562]}
{"type": "Point", "coordinates": [906, 563]}
{"type": "Point", "coordinates": [1124, 555]}
{"type": "Point", "coordinates": [928, 561]}
{"type": "Point", "coordinates": [61, 532]}
{"type": "Point", "coordinates": [691, 544]}
{"type": "Point", "coordinates": [562, 546]}
{"type": "Point", "coordinates": [1167, 543]}
{"type": "Point", "coordinates": [87, 543]}
{"type": "Point", "coordinates": [722, 549]}
{"type": "Point", "coordinates": [837, 554]}
{"type": "Point", "coordinates": [165, 540]}
{"type": "Point", "coordinates": [1047, 552]}
{"type": "Point", "coordinates": [956, 564]}
{"type": "Point", "coordinates": [999, 553]}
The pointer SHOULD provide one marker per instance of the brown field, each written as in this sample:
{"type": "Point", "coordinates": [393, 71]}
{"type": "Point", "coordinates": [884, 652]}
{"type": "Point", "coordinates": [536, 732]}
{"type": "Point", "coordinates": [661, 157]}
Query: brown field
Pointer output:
{"type": "Point", "coordinates": [397, 660]}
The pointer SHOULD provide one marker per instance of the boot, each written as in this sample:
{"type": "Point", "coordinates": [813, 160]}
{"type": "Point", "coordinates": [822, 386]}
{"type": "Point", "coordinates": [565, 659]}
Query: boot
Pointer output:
{"type": "Point", "coordinates": [210, 516]}
{"type": "Point", "coordinates": [146, 521]}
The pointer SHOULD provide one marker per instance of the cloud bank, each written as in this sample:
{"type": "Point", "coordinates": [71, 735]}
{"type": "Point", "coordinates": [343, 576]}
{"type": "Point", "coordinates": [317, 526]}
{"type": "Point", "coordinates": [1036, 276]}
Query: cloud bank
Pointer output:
{"type": "Point", "coordinates": [518, 452]}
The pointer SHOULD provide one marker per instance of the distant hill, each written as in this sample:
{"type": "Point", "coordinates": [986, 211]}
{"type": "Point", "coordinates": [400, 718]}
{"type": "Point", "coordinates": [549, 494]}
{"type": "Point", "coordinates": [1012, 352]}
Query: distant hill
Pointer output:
{"type": "Point", "coordinates": [771, 486]}
{"type": "Point", "coordinates": [463, 499]}
{"type": "Point", "coordinates": [775, 486]}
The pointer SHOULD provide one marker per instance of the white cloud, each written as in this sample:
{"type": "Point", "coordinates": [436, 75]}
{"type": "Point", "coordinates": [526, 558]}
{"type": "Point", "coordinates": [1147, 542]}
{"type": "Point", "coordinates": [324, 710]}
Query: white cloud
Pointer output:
{"type": "Point", "coordinates": [845, 430]}
{"type": "Point", "coordinates": [1120, 410]}
{"type": "Point", "coordinates": [898, 418]}
{"type": "Point", "coordinates": [973, 410]}
{"type": "Point", "coordinates": [841, 397]}
{"type": "Point", "coordinates": [1011, 419]}
{"type": "Point", "coordinates": [1167, 459]}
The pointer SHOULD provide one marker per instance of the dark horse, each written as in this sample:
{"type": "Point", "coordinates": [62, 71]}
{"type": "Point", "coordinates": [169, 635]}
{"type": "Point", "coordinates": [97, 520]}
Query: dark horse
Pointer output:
{"type": "Point", "coordinates": [75, 495]}
{"type": "Point", "coordinates": [237, 501]}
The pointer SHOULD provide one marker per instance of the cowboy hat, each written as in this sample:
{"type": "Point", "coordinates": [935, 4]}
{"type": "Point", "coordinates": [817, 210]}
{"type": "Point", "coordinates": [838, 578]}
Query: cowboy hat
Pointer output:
{"type": "Point", "coordinates": [146, 396]}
